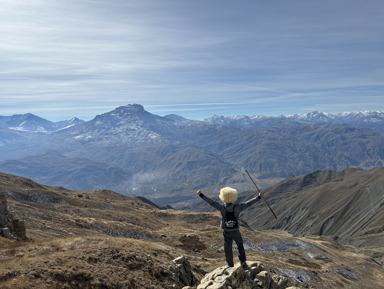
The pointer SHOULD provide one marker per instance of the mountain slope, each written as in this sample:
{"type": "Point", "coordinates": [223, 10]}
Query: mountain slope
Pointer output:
{"type": "Point", "coordinates": [162, 173]}
{"type": "Point", "coordinates": [77, 173]}
{"type": "Point", "coordinates": [287, 150]}
{"type": "Point", "coordinates": [15, 144]}
{"type": "Point", "coordinates": [101, 239]}
{"type": "Point", "coordinates": [347, 204]}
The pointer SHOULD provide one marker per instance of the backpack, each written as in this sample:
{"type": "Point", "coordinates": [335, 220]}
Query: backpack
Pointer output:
{"type": "Point", "coordinates": [231, 222]}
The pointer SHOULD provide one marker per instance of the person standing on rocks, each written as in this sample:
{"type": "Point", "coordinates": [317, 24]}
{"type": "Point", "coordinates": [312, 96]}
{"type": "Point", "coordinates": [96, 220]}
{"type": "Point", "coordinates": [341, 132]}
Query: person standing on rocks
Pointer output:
{"type": "Point", "coordinates": [229, 221]}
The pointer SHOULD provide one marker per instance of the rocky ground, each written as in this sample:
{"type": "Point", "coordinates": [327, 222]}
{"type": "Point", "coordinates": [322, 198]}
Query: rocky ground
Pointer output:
{"type": "Point", "coordinates": [100, 239]}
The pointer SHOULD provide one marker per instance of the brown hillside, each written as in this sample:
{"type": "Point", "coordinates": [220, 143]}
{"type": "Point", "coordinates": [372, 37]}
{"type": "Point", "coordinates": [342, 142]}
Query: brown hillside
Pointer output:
{"type": "Point", "coordinates": [100, 239]}
{"type": "Point", "coordinates": [347, 205]}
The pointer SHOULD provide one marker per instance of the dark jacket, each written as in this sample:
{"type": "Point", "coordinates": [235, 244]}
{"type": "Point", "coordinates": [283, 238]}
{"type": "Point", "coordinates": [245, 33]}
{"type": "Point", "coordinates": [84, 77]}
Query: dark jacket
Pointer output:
{"type": "Point", "coordinates": [231, 207]}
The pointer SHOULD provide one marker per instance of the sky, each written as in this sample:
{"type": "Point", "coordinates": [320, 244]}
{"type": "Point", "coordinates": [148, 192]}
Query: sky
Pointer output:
{"type": "Point", "coordinates": [80, 58]}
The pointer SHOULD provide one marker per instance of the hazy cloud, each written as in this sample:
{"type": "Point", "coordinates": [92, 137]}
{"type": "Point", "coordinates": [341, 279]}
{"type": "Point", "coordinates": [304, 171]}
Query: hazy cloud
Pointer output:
{"type": "Point", "coordinates": [195, 58]}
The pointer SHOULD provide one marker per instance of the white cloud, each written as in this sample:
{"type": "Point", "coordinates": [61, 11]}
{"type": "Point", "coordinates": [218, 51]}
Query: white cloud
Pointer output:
{"type": "Point", "coordinates": [74, 53]}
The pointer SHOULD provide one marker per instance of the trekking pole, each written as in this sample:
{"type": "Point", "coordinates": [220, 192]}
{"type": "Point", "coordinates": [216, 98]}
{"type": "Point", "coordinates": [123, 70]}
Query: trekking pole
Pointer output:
{"type": "Point", "coordinates": [260, 192]}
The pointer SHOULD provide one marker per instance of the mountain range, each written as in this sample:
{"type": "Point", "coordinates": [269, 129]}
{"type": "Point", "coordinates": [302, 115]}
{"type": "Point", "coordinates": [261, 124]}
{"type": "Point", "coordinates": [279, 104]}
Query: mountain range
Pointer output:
{"type": "Point", "coordinates": [362, 119]}
{"type": "Point", "coordinates": [32, 123]}
{"type": "Point", "coordinates": [134, 152]}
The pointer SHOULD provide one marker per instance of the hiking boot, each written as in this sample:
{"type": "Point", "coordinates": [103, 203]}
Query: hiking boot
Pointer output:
{"type": "Point", "coordinates": [244, 266]}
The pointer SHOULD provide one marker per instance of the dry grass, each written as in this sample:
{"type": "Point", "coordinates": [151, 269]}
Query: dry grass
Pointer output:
{"type": "Point", "coordinates": [105, 240]}
{"type": "Point", "coordinates": [87, 262]}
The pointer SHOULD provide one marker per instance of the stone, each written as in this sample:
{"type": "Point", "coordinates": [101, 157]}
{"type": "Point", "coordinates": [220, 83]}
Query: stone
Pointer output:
{"type": "Point", "coordinates": [279, 282]}
{"type": "Point", "coordinates": [254, 268]}
{"type": "Point", "coordinates": [4, 232]}
{"type": "Point", "coordinates": [217, 279]}
{"type": "Point", "coordinates": [183, 272]}
{"type": "Point", "coordinates": [228, 277]}
{"type": "Point", "coordinates": [239, 278]}
{"type": "Point", "coordinates": [265, 279]}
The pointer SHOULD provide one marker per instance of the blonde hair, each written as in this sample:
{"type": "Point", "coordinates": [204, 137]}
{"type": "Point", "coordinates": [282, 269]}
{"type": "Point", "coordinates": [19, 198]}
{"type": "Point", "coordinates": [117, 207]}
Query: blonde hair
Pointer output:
{"type": "Point", "coordinates": [228, 195]}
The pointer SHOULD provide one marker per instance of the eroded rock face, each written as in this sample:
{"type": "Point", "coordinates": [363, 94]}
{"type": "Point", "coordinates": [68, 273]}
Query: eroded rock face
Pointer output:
{"type": "Point", "coordinates": [10, 227]}
{"type": "Point", "coordinates": [252, 277]}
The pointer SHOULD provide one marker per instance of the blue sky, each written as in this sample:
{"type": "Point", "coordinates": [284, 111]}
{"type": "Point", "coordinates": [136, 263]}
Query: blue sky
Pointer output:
{"type": "Point", "coordinates": [60, 59]}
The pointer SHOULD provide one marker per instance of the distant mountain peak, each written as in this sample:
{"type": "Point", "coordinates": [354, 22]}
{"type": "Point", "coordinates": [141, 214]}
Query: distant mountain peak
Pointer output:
{"type": "Point", "coordinates": [132, 107]}
{"type": "Point", "coordinates": [314, 115]}
{"type": "Point", "coordinates": [175, 117]}
{"type": "Point", "coordinates": [127, 111]}
{"type": "Point", "coordinates": [74, 120]}
{"type": "Point", "coordinates": [27, 122]}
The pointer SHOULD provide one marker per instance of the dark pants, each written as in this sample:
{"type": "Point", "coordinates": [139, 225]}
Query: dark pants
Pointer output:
{"type": "Point", "coordinates": [229, 237]}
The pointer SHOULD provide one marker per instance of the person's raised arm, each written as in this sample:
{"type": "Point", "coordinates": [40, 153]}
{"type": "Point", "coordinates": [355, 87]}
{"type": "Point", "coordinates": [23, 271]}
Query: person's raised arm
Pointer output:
{"type": "Point", "coordinates": [213, 203]}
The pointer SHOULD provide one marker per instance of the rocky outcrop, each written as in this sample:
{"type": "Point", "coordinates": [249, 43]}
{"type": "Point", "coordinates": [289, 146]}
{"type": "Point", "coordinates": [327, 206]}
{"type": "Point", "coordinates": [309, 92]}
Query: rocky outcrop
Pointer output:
{"type": "Point", "coordinates": [252, 277]}
{"type": "Point", "coordinates": [183, 272]}
{"type": "Point", "coordinates": [10, 227]}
